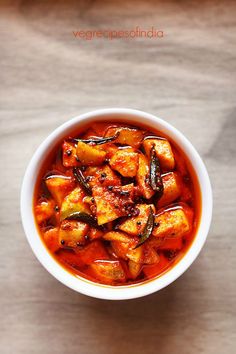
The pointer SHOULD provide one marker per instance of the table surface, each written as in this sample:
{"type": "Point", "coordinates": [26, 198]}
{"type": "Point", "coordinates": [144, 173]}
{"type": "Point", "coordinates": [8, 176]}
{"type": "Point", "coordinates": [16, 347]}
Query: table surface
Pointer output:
{"type": "Point", "coordinates": [187, 78]}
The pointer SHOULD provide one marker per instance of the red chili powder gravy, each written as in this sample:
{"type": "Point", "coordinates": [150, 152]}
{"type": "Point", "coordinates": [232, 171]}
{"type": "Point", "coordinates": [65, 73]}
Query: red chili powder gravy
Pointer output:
{"type": "Point", "coordinates": [117, 204]}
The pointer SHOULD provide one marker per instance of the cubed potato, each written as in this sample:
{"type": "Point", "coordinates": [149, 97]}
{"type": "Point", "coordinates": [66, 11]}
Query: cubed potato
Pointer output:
{"type": "Point", "coordinates": [91, 155]}
{"type": "Point", "coordinates": [106, 210]}
{"type": "Point", "coordinates": [172, 189]}
{"type": "Point", "coordinates": [108, 272]}
{"type": "Point", "coordinates": [127, 136]}
{"type": "Point", "coordinates": [94, 251]}
{"type": "Point", "coordinates": [72, 233]}
{"type": "Point", "coordinates": [171, 223]}
{"type": "Point", "coordinates": [125, 161]}
{"type": "Point", "coordinates": [111, 204]}
{"type": "Point", "coordinates": [73, 203]}
{"type": "Point", "coordinates": [163, 150]}
{"type": "Point", "coordinates": [136, 224]}
{"type": "Point", "coordinates": [44, 210]}
{"type": "Point", "coordinates": [69, 157]}
{"type": "Point", "coordinates": [103, 176]}
{"type": "Point", "coordinates": [134, 269]}
{"type": "Point", "coordinates": [121, 248]}
{"type": "Point", "coordinates": [118, 236]}
{"type": "Point", "coordinates": [142, 255]}
{"type": "Point", "coordinates": [59, 187]}
{"type": "Point", "coordinates": [51, 238]}
{"type": "Point", "coordinates": [142, 177]}
{"type": "Point", "coordinates": [125, 250]}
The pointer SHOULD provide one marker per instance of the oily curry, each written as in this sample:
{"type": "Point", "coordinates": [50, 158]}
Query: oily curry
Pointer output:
{"type": "Point", "coordinates": [117, 204]}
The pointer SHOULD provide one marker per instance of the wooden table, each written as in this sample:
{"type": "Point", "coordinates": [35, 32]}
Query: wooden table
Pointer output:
{"type": "Point", "coordinates": [188, 78]}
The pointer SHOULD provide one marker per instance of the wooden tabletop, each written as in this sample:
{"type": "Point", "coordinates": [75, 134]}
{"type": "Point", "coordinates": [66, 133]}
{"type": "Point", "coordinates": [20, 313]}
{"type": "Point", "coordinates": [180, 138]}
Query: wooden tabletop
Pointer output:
{"type": "Point", "coordinates": [188, 78]}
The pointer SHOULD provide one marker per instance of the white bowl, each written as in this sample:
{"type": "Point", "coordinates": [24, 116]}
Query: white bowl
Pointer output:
{"type": "Point", "coordinates": [78, 283]}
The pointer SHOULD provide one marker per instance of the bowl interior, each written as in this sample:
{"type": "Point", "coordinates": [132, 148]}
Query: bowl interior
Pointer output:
{"type": "Point", "coordinates": [83, 285]}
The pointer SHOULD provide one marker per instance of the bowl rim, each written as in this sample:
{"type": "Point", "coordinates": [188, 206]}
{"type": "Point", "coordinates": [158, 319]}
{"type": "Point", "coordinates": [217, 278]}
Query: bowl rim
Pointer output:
{"type": "Point", "coordinates": [83, 285]}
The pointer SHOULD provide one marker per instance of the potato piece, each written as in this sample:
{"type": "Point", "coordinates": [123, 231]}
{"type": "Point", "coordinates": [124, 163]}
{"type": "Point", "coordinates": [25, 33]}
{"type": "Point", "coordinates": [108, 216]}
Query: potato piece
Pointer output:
{"type": "Point", "coordinates": [105, 207]}
{"type": "Point", "coordinates": [171, 223]}
{"type": "Point", "coordinates": [89, 154]}
{"type": "Point", "coordinates": [125, 250]}
{"type": "Point", "coordinates": [73, 202]}
{"type": "Point", "coordinates": [103, 176]}
{"type": "Point", "coordinates": [142, 255]}
{"type": "Point", "coordinates": [72, 233]}
{"type": "Point", "coordinates": [163, 150]}
{"type": "Point", "coordinates": [112, 204]}
{"type": "Point", "coordinates": [94, 251]}
{"type": "Point", "coordinates": [44, 210]}
{"type": "Point", "coordinates": [125, 161]}
{"type": "Point", "coordinates": [142, 177]}
{"type": "Point", "coordinates": [51, 238]}
{"type": "Point", "coordinates": [172, 189]}
{"type": "Point", "coordinates": [127, 136]}
{"type": "Point", "coordinates": [136, 224]}
{"type": "Point", "coordinates": [108, 272]}
{"type": "Point", "coordinates": [69, 157]}
{"type": "Point", "coordinates": [134, 269]}
{"type": "Point", "coordinates": [117, 236]}
{"type": "Point", "coordinates": [121, 248]}
{"type": "Point", "coordinates": [59, 187]}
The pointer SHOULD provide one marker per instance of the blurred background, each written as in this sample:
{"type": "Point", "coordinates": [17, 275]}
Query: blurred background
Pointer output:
{"type": "Point", "coordinates": [188, 78]}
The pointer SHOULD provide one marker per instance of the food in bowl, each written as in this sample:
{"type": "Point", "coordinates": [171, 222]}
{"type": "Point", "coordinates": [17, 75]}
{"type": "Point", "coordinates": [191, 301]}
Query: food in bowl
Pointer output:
{"type": "Point", "coordinates": [117, 204]}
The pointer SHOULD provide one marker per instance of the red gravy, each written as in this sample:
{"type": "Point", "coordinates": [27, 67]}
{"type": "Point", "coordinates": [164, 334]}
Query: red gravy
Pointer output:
{"type": "Point", "coordinates": [117, 204]}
